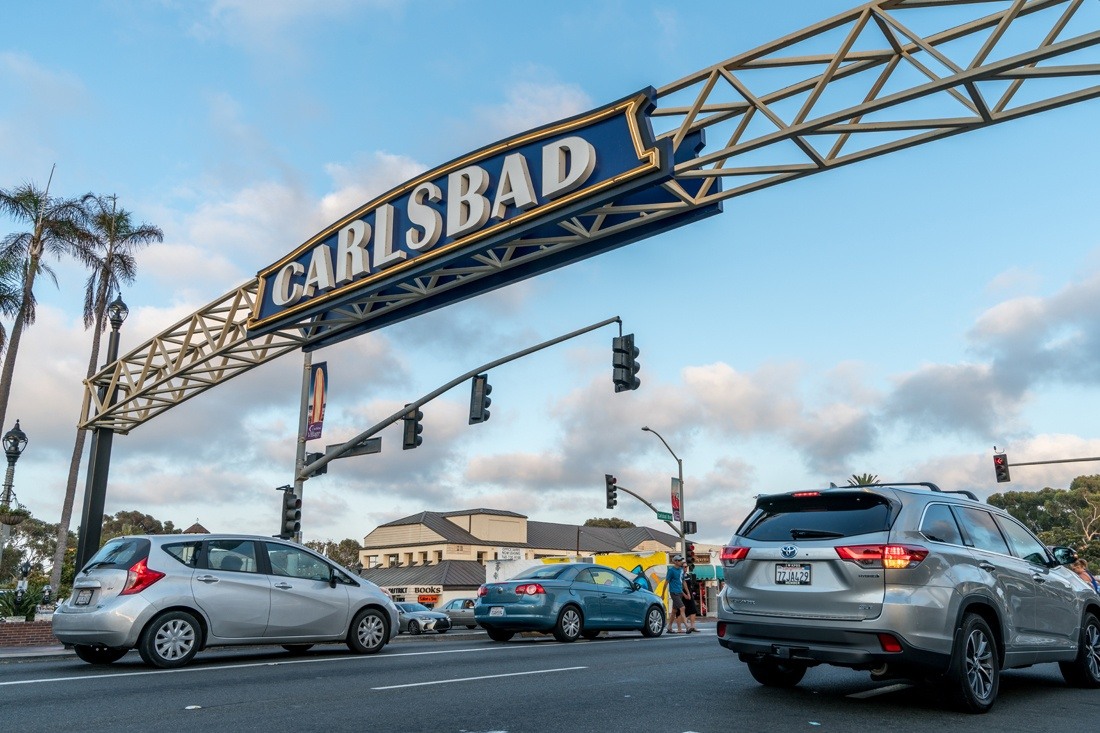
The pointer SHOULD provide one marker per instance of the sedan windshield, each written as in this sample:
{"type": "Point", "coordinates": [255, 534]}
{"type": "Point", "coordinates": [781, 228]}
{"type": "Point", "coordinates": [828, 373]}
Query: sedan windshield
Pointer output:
{"type": "Point", "coordinates": [413, 607]}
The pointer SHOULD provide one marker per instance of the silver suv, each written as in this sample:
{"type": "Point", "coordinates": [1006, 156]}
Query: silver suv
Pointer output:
{"type": "Point", "coordinates": [169, 596]}
{"type": "Point", "coordinates": [902, 580]}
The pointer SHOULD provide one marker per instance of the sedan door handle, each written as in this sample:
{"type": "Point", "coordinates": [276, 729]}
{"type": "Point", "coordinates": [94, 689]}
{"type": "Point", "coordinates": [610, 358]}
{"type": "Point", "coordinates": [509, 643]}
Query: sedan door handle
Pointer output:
{"type": "Point", "coordinates": [1038, 578]}
{"type": "Point", "coordinates": [284, 586]}
{"type": "Point", "coordinates": [206, 579]}
{"type": "Point", "coordinates": [987, 566]}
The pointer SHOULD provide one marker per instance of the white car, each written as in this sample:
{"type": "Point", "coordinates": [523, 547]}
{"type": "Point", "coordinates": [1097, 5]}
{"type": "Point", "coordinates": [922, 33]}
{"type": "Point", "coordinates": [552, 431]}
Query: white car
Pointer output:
{"type": "Point", "coordinates": [169, 596]}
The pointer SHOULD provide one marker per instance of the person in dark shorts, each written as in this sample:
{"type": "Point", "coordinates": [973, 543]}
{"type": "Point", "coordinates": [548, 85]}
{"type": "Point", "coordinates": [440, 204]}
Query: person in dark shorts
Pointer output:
{"type": "Point", "coordinates": [675, 579]}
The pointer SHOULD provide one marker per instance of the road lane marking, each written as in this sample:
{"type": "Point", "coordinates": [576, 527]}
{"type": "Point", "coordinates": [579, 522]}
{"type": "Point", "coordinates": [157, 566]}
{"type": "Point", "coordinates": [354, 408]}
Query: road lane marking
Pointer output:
{"type": "Point", "coordinates": [880, 691]}
{"type": "Point", "coordinates": [480, 677]}
{"type": "Point", "coordinates": [247, 665]}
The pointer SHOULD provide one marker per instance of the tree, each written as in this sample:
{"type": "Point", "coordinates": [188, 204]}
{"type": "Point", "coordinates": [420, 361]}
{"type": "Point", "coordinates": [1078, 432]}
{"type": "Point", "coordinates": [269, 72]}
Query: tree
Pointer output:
{"type": "Point", "coordinates": [1060, 516]}
{"type": "Point", "coordinates": [10, 295]}
{"type": "Point", "coordinates": [113, 238]}
{"type": "Point", "coordinates": [861, 479]}
{"type": "Point", "coordinates": [55, 229]}
{"type": "Point", "coordinates": [135, 522]}
{"type": "Point", "coordinates": [344, 552]}
{"type": "Point", "coordinates": [612, 522]}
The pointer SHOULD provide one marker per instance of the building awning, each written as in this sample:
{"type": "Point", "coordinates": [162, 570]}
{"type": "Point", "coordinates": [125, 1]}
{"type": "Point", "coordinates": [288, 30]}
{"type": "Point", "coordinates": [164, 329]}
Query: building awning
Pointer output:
{"type": "Point", "coordinates": [709, 572]}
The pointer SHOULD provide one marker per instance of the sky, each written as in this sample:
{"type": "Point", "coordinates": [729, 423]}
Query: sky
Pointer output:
{"type": "Point", "coordinates": [900, 316]}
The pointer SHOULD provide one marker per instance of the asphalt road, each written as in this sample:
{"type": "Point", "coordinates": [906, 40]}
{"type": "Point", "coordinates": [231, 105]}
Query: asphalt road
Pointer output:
{"type": "Point", "coordinates": [465, 683]}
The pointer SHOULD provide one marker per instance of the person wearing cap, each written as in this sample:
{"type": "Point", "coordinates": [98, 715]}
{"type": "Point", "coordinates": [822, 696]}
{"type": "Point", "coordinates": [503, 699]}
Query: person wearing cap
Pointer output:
{"type": "Point", "coordinates": [675, 581]}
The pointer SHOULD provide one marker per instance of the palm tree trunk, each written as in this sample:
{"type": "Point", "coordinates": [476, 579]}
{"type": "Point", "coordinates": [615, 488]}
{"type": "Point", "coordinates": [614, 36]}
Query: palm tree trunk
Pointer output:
{"type": "Point", "coordinates": [78, 451]}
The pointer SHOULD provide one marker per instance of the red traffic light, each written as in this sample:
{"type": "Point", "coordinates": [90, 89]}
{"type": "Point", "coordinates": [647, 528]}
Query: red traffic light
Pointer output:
{"type": "Point", "coordinates": [1000, 467]}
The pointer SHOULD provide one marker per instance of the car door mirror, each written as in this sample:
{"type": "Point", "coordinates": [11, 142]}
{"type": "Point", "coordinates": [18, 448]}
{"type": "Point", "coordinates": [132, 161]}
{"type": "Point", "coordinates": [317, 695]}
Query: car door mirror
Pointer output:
{"type": "Point", "coordinates": [1064, 555]}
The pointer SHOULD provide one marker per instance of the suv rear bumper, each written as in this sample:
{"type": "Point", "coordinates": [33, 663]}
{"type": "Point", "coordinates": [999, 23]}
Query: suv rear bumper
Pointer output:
{"type": "Point", "coordinates": [821, 645]}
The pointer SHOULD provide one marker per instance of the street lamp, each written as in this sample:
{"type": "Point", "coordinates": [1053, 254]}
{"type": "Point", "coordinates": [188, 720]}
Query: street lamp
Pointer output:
{"type": "Point", "coordinates": [15, 440]}
{"type": "Point", "coordinates": [99, 462]}
{"type": "Point", "coordinates": [679, 496]}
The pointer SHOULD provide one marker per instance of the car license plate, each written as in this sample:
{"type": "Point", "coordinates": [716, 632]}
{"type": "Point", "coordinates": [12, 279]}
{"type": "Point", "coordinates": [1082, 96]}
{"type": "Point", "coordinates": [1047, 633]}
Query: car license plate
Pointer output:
{"type": "Point", "coordinates": [792, 573]}
{"type": "Point", "coordinates": [83, 597]}
{"type": "Point", "coordinates": [496, 611]}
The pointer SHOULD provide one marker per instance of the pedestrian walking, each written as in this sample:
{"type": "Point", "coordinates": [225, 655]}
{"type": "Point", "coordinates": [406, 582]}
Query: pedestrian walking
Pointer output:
{"type": "Point", "coordinates": [691, 599]}
{"type": "Point", "coordinates": [675, 582]}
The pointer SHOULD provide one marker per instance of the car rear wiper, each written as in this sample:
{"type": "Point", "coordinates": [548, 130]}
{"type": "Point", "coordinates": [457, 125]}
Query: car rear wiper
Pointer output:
{"type": "Point", "coordinates": [801, 534]}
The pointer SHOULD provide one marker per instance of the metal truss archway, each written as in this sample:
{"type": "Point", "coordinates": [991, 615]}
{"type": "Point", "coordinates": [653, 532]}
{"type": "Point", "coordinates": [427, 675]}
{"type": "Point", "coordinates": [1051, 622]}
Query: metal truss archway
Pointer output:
{"type": "Point", "coordinates": [859, 85]}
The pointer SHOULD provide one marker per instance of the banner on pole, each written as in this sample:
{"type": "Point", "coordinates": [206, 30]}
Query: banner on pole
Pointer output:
{"type": "Point", "coordinates": [318, 387]}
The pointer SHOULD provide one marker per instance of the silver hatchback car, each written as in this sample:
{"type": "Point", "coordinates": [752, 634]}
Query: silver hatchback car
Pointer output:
{"type": "Point", "coordinates": [903, 580]}
{"type": "Point", "coordinates": [170, 596]}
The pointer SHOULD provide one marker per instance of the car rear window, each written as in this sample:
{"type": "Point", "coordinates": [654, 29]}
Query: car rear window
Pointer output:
{"type": "Point", "coordinates": [815, 516]}
{"type": "Point", "coordinates": [120, 553]}
{"type": "Point", "coordinates": [543, 572]}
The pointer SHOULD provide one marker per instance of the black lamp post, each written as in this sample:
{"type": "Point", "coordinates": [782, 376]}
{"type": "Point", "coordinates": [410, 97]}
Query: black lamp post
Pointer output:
{"type": "Point", "coordinates": [99, 462]}
{"type": "Point", "coordinates": [15, 440]}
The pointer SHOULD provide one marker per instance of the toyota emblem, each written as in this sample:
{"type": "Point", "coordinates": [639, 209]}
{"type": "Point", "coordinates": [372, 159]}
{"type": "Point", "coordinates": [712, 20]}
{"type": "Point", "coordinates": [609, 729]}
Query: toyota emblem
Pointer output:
{"type": "Point", "coordinates": [789, 550]}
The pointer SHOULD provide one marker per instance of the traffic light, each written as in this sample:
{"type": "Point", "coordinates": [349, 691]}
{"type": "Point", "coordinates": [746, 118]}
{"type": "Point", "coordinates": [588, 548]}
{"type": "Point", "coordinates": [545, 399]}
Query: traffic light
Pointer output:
{"type": "Point", "coordinates": [411, 429]}
{"type": "Point", "coordinates": [313, 457]}
{"type": "Point", "coordinates": [479, 398]}
{"type": "Point", "coordinates": [292, 514]}
{"type": "Point", "coordinates": [624, 358]}
{"type": "Point", "coordinates": [612, 491]}
{"type": "Point", "coordinates": [1000, 467]}
{"type": "Point", "coordinates": [689, 553]}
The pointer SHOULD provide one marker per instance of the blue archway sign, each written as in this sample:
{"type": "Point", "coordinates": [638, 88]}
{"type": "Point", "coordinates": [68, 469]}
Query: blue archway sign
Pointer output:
{"type": "Point", "coordinates": [430, 237]}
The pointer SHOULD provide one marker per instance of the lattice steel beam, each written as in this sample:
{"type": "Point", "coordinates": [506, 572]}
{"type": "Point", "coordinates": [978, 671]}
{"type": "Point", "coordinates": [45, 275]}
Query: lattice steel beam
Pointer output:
{"type": "Point", "coordinates": [762, 130]}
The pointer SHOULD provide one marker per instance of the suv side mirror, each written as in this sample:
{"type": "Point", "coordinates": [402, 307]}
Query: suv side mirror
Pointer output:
{"type": "Point", "coordinates": [1064, 555]}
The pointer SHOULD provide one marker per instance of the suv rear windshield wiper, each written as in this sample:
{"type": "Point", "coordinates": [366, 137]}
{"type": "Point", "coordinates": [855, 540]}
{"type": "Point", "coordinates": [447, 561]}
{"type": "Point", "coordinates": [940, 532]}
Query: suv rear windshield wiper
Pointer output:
{"type": "Point", "coordinates": [808, 533]}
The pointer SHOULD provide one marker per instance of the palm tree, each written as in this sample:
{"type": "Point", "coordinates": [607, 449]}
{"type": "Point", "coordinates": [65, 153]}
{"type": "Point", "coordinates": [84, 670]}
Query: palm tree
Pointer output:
{"type": "Point", "coordinates": [861, 479]}
{"type": "Point", "coordinates": [10, 295]}
{"type": "Point", "coordinates": [113, 238]}
{"type": "Point", "coordinates": [55, 229]}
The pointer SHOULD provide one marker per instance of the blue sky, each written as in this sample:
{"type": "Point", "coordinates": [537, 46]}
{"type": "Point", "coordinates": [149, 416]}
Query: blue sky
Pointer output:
{"type": "Point", "coordinates": [900, 316]}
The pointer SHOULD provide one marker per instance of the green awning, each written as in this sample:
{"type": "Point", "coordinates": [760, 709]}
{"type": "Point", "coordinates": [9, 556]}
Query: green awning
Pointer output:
{"type": "Point", "coordinates": [709, 572]}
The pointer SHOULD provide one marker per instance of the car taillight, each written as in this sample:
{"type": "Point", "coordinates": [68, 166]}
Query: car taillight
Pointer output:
{"type": "Point", "coordinates": [733, 554]}
{"type": "Point", "coordinates": [139, 577]}
{"type": "Point", "coordinates": [894, 557]}
{"type": "Point", "coordinates": [805, 494]}
{"type": "Point", "coordinates": [483, 591]}
{"type": "Point", "coordinates": [889, 643]}
{"type": "Point", "coordinates": [530, 589]}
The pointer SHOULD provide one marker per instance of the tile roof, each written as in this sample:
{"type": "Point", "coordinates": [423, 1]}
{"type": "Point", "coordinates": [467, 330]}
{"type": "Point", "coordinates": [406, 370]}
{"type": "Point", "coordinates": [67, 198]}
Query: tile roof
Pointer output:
{"type": "Point", "coordinates": [453, 574]}
{"type": "Point", "coordinates": [540, 535]}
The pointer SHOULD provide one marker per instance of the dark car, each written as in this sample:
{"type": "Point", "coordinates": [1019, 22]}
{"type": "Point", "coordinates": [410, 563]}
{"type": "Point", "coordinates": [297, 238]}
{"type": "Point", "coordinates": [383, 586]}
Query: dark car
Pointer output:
{"type": "Point", "coordinates": [568, 600]}
{"type": "Point", "coordinates": [416, 618]}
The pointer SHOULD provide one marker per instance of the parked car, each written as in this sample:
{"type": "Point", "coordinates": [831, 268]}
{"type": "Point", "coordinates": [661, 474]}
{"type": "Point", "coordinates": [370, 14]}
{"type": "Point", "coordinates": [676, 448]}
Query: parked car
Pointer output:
{"type": "Point", "coordinates": [169, 596]}
{"type": "Point", "coordinates": [417, 618]}
{"type": "Point", "coordinates": [902, 580]}
{"type": "Point", "coordinates": [461, 612]}
{"type": "Point", "coordinates": [568, 600]}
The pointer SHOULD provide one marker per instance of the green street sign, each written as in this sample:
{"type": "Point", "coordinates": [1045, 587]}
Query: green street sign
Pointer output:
{"type": "Point", "coordinates": [667, 516]}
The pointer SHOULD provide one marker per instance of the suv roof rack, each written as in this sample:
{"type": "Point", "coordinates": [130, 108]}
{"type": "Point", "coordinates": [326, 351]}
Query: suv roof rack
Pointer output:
{"type": "Point", "coordinates": [926, 484]}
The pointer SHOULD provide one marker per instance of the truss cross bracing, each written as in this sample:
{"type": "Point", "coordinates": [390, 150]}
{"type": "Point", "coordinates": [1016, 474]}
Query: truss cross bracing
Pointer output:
{"type": "Point", "coordinates": [879, 78]}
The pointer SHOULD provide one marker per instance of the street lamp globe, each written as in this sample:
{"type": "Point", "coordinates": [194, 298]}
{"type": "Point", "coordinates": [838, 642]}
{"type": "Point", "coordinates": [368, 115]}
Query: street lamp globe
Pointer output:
{"type": "Point", "coordinates": [117, 312]}
{"type": "Point", "coordinates": [15, 440]}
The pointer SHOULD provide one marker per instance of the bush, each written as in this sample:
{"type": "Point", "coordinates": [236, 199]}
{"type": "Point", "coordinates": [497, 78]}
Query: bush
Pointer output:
{"type": "Point", "coordinates": [26, 606]}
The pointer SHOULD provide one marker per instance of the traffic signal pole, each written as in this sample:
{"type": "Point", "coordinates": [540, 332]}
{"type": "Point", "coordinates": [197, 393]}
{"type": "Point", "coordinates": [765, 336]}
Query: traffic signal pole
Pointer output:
{"type": "Point", "coordinates": [678, 530]}
{"type": "Point", "coordinates": [304, 471]}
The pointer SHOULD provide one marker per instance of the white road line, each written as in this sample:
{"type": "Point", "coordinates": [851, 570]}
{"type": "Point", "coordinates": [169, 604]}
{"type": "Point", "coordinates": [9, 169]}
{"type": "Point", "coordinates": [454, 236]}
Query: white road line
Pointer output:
{"type": "Point", "coordinates": [219, 668]}
{"type": "Point", "coordinates": [482, 677]}
{"type": "Point", "coordinates": [880, 691]}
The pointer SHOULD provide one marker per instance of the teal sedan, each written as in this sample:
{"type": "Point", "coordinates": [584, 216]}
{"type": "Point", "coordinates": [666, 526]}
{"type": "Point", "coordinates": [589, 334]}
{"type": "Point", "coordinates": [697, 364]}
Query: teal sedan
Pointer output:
{"type": "Point", "coordinates": [568, 600]}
